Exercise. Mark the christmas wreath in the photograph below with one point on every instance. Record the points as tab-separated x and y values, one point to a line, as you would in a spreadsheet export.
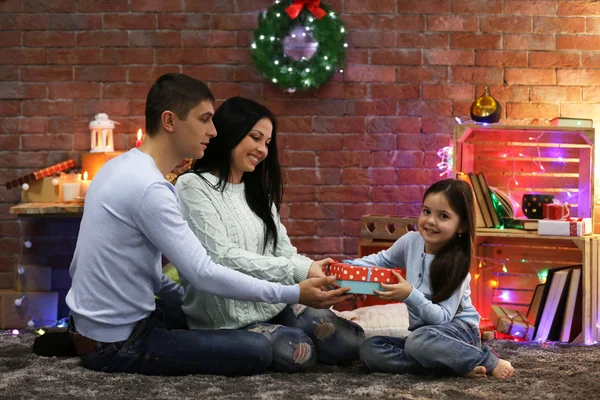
317	20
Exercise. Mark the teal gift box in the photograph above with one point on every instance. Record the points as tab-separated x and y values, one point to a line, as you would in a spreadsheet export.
361	279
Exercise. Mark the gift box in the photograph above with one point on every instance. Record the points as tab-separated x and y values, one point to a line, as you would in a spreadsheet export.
361	279
512	322
557	211
568	227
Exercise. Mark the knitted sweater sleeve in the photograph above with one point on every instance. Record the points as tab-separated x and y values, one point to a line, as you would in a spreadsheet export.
200	205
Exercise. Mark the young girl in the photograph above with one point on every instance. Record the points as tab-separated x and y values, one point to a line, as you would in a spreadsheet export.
444	324
231	201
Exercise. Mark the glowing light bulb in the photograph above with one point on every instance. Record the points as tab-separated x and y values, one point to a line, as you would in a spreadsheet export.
276	62
261	37
342	30
325	58
274	80
345	44
253	45
458	120
15	332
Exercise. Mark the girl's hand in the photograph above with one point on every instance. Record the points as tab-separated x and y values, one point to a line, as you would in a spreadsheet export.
397	291
316	271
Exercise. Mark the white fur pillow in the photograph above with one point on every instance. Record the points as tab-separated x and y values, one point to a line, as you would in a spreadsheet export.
381	320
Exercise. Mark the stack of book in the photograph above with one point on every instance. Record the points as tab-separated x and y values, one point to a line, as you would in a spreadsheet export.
556	309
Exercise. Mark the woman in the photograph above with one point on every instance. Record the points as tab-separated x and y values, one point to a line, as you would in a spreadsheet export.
231	199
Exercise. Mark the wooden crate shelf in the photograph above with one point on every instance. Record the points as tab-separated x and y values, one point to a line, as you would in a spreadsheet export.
506	153
48	209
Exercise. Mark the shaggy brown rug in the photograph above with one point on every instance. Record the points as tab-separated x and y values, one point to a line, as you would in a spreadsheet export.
543	372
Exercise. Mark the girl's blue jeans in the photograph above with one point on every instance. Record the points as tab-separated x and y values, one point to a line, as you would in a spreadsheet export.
454	347
300	336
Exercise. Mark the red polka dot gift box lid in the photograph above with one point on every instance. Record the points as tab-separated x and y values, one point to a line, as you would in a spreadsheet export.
348	272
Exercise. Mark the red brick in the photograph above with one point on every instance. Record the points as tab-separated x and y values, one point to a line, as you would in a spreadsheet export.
462	108
47	142
396	57
393	125
149	73
234	22
377	107
422	40
244	38
133	22
418	176
74	56
395	91
492	58
567	42
58	6
591	94
477	7
313	142
592	25
155	39
101	73
252	5
357	56
129	56
344	194
102	6
506	23
528	42
10	39
209	39
397	159
531	110
554	59
356	211
538	7
292	194
209	73
318	245
590	60
304	107
69	125
301	228
229	56
23	22
339	124
436	125
74	22
422	108
579	110
422	74
369	73
448	57
315	211
558	25
49	39
330	228
9	73
111	107
22	91
553	94
102	38
578	77
22	56
371	176
423	141
370	6
475	41
210	6
371	39
577	8
487	75
22	125
35	108
46	74
156	5
294	124
298	159
409	23
526	76
166	55
184	21
344	159
245	73
395	194
226	90
424	7
452	23
342	91
11	6
357	21
9	142
74	90
447	92
506	93
354	142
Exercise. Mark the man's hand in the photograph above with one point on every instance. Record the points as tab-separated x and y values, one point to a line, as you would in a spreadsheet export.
316	268
397	291
312	295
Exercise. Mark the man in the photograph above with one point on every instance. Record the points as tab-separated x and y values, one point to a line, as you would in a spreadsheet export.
131	217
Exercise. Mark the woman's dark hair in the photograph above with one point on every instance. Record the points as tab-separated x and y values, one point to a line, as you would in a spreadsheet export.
263	187
451	264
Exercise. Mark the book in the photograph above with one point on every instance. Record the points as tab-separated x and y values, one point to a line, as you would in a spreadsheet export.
572	316
534	306
487	195
485	212
521	223
479	221
556	287
556	324
506	201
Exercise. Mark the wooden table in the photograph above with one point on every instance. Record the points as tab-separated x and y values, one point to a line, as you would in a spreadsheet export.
74	209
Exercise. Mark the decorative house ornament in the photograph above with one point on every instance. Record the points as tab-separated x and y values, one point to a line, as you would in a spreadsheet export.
284	23
486	108
102	134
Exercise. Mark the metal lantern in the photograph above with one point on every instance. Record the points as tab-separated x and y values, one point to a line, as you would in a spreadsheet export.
102	134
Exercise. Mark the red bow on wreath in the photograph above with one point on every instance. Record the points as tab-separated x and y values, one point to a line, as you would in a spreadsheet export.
311	5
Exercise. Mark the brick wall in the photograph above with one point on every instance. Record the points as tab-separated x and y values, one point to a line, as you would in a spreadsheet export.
364	143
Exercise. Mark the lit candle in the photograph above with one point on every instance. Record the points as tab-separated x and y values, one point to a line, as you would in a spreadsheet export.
83	185
138	142
69	186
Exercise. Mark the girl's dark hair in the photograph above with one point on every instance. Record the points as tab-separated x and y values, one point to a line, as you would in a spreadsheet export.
451	264
263	187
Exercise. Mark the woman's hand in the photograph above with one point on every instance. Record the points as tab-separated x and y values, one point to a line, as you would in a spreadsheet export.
316	271
397	291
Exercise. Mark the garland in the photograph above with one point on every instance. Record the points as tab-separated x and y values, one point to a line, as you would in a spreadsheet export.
321	22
